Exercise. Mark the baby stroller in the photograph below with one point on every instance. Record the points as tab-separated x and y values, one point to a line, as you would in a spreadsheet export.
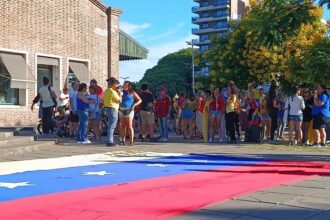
254	133
62	126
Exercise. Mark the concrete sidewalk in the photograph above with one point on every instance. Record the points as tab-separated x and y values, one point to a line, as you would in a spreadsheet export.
309	199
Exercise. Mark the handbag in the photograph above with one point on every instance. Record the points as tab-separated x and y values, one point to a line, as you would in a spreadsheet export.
51	95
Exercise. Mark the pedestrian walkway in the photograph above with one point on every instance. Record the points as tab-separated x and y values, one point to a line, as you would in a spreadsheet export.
307	196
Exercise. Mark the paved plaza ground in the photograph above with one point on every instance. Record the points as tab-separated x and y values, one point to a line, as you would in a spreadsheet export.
307	199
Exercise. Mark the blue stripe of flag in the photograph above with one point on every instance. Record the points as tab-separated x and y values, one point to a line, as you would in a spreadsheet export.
66	179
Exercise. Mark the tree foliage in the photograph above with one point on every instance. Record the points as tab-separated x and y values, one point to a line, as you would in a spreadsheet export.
275	39
172	71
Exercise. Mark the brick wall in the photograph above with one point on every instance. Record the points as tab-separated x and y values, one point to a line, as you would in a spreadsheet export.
65	28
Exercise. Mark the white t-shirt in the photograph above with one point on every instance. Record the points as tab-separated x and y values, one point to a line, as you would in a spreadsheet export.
65	99
94	107
296	103
47	100
73	99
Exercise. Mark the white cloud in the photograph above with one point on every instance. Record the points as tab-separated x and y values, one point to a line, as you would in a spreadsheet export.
130	28
168	33
136	69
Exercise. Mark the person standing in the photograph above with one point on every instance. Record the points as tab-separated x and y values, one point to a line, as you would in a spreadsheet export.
94	112
264	114
217	107
64	101
99	90
188	108
48	97
130	100
82	112
272	107
112	99
205	116
146	112
321	115
199	113
230	113
280	115
163	106
307	116
74	119
295	104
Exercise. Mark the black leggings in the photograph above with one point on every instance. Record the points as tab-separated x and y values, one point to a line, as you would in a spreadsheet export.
230	125
273	127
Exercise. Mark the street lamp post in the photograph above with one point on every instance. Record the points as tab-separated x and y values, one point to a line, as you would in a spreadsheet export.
192	64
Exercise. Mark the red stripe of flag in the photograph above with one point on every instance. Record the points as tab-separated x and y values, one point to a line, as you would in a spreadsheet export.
163	197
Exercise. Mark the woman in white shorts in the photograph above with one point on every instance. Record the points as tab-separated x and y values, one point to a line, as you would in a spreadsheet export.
130	100
295	104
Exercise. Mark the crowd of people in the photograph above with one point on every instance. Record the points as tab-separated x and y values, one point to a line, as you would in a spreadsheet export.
227	115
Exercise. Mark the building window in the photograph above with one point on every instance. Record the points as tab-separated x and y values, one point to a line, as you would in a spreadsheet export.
222	24
70	79
8	96
203	48
78	71
222	13
205	71
204	37
205	15
206	25
205	4
44	71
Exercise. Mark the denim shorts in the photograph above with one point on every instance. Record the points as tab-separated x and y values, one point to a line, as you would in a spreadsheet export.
216	114
187	114
97	117
295	117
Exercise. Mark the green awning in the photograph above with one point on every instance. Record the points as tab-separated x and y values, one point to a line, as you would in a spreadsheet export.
130	49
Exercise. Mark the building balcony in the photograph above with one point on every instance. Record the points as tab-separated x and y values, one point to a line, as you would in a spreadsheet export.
218	28
221	28
198	31
199	42
216	6
217	17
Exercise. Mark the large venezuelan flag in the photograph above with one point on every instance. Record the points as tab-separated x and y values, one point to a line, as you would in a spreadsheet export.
138	188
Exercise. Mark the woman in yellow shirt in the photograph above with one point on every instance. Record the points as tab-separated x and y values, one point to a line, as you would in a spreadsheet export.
230	113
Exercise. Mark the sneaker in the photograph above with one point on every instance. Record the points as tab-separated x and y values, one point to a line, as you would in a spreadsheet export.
324	145
86	142
78	142
112	145
295	142
165	140
273	142
210	140
317	145
221	140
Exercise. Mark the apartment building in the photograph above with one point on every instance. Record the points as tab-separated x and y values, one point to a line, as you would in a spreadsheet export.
64	40
213	18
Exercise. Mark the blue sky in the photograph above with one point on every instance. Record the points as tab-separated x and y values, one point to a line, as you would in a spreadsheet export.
162	26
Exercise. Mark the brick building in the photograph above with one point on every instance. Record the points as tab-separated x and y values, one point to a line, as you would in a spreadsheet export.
64	40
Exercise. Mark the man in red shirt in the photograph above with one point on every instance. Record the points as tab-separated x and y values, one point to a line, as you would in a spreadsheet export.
163	105
99	90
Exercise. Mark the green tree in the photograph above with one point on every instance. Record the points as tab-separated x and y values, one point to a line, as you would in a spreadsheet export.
270	42
314	66
172	71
